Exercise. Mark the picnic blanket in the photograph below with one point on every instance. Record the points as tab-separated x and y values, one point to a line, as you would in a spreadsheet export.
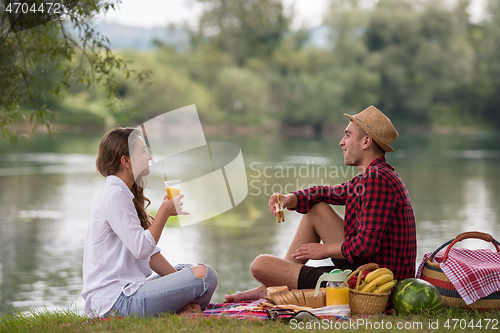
242	310
475	274
236	310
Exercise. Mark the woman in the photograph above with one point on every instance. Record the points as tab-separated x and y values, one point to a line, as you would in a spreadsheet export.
120	251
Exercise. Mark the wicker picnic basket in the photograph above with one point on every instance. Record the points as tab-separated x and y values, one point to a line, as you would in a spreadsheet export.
433	274
362	303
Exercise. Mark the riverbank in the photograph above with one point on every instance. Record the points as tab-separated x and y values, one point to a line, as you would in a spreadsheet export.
306	131
452	179
449	319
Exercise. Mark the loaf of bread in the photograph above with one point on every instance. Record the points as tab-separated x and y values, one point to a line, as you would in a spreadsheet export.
275	290
304	297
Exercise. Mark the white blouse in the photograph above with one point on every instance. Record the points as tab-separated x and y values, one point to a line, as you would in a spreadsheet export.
117	249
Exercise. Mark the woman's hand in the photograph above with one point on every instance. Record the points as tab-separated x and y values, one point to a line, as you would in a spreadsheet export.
173	207
169	207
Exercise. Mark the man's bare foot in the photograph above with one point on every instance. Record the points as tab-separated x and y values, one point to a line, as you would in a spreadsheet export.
252	294
193	307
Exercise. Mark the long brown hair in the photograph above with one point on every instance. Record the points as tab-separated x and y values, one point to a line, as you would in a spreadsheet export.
114	145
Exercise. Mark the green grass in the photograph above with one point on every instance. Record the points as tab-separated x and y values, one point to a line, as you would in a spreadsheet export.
45	321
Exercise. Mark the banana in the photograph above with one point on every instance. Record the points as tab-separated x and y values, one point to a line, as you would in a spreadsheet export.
385	287
379	281
376	273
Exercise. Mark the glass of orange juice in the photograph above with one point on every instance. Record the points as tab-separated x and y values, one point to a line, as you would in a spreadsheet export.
173	188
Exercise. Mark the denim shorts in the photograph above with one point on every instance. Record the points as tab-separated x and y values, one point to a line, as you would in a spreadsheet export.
167	294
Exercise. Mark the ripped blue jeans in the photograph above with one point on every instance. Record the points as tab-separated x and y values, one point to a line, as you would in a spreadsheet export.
167	294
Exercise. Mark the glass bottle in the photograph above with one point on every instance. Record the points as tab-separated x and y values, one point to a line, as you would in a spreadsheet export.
337	292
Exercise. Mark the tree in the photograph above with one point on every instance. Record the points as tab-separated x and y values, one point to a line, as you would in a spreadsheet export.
347	20
323	84
70	47
483	98
423	57
244	28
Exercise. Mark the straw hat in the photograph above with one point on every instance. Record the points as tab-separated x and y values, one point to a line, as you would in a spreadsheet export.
377	126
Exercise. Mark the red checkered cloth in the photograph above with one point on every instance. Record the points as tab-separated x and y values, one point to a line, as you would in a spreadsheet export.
475	274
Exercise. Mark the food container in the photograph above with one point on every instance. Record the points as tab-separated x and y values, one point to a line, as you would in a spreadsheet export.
362	303
337	292
433	274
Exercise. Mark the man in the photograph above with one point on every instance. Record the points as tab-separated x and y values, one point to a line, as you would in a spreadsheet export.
379	224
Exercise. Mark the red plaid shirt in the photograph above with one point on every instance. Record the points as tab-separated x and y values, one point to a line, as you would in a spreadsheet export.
379	225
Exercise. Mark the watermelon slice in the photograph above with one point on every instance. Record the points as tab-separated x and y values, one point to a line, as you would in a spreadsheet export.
414	296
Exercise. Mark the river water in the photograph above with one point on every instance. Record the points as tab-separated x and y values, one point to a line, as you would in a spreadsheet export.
48	187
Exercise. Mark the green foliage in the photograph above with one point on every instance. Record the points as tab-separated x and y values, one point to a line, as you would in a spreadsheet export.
348	22
422	63
421	55
244	94
43	62
171	87
482	92
243	28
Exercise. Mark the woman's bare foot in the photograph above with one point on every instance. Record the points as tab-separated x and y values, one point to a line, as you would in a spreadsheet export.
193	307
252	294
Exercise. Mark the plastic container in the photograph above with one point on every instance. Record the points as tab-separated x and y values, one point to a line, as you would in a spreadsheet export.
332	310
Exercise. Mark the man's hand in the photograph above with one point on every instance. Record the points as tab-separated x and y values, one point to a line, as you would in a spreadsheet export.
313	251
287	201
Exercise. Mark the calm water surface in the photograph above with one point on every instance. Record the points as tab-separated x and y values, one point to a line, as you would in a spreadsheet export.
48	187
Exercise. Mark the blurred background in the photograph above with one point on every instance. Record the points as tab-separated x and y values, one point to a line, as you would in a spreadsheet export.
274	77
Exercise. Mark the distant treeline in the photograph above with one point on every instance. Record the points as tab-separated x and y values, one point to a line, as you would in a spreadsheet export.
421	62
